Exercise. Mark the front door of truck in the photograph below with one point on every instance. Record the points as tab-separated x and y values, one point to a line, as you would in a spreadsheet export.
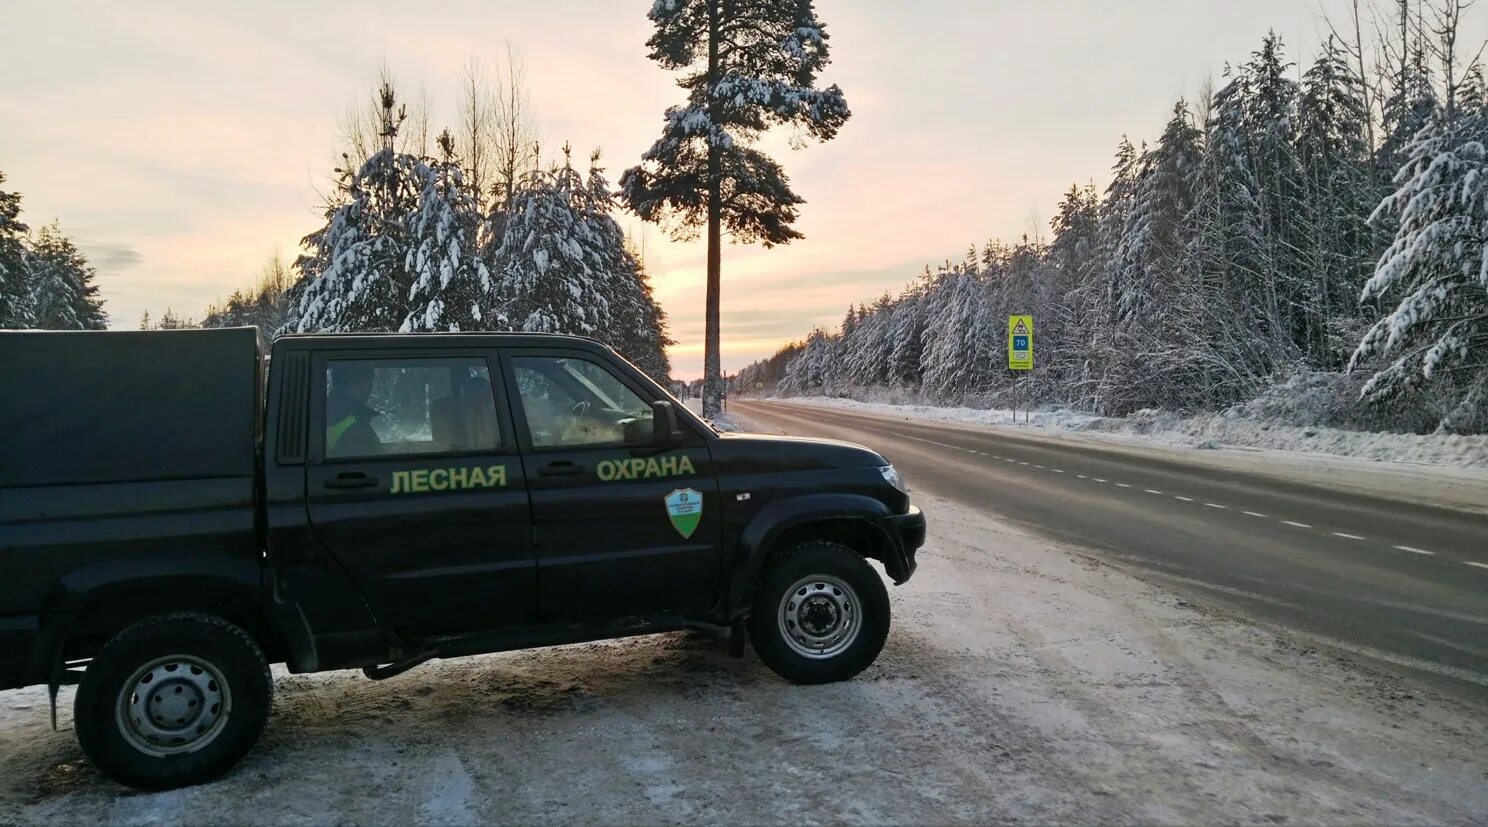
415	485
620	530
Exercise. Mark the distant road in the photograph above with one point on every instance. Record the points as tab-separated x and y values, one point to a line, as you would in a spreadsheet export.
1394	581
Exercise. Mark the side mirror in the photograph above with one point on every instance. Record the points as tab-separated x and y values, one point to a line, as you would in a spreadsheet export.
664	429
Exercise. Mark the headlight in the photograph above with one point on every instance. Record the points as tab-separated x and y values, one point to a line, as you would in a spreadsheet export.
892	477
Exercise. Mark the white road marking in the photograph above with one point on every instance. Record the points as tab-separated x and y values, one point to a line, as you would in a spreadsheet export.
1059	470
1082	476
1253	514
1022	463
1476	565
1122	485
1414	550
1098	479
1297	525
1009	459
1215	505
1347	536
1152	491
1038	466
1185	499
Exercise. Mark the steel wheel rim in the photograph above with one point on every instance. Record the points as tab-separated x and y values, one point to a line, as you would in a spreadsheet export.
173	705
819	617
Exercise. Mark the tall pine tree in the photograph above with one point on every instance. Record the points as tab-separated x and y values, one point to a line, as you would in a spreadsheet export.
750	65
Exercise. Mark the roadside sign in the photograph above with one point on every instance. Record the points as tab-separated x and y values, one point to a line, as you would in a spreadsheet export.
1020	343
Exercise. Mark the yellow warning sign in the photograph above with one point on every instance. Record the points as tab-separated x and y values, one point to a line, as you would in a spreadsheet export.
1020	343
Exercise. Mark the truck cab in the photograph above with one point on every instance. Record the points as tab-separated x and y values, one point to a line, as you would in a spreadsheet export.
373	501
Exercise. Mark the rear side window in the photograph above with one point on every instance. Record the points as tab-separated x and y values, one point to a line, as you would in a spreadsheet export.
404	407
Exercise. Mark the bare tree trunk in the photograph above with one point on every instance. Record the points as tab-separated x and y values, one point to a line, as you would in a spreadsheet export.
712	363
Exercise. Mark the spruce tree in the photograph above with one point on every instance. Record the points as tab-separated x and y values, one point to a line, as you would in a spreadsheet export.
60	283
550	262
356	269
452	289
750	65
1438	262
1334	153
15	299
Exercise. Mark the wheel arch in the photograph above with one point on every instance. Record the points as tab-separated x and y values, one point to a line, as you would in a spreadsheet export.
852	520
92	604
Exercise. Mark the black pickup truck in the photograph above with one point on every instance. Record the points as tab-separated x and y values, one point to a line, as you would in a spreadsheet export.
177	512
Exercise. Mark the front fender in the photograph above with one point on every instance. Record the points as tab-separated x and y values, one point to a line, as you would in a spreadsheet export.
765	528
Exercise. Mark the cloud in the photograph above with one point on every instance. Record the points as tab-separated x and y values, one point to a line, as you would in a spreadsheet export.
110	257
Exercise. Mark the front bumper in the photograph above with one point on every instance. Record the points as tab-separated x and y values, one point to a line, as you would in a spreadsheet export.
905	533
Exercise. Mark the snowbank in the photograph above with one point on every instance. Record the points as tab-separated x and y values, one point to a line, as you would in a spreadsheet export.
1228	429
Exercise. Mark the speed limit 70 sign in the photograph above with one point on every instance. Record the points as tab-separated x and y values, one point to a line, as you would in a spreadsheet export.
1020	343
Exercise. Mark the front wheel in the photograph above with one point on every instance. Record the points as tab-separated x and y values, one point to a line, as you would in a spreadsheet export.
821	614
172	701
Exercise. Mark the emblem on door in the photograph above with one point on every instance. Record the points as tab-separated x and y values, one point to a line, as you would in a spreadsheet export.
684	508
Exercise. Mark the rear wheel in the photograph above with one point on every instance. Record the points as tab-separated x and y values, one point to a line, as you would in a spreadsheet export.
172	701
821	614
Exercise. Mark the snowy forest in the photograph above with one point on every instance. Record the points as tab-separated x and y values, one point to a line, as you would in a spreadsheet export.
45	281
1318	228
467	231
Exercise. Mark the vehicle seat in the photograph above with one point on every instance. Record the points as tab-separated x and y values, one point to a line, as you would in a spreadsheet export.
480	413
445	423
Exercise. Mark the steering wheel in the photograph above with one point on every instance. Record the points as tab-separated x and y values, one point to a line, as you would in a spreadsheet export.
579	409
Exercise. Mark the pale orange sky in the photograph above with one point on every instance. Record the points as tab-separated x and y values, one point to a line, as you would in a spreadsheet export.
182	143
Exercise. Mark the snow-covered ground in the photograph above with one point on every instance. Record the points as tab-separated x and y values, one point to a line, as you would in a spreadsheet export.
1021	681
1205	431
725	421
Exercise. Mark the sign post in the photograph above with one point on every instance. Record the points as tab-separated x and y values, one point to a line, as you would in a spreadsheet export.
1020	352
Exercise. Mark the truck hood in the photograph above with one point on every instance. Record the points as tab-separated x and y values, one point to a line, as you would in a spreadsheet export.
758	453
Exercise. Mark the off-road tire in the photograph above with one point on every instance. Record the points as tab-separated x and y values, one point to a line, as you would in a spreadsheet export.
227	649
832	562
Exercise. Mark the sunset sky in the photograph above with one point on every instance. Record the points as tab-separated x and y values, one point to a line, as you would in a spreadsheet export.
183	143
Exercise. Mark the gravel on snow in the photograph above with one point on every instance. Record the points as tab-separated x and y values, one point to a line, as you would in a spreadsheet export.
1021	681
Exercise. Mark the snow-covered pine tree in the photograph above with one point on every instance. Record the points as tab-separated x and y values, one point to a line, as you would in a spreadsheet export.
811	371
751	64
1334	154
958	355
1074	263
1269	102
60	283
551	257
906	339
1438	333
452	288
1150	365
1101	337
15	299
635	324
356	265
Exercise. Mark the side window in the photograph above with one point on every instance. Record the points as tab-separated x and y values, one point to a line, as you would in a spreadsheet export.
399	407
571	402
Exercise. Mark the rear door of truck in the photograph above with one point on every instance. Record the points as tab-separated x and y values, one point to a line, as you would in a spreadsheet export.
415	485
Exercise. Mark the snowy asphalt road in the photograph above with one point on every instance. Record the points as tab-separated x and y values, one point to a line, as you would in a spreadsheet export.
1395	581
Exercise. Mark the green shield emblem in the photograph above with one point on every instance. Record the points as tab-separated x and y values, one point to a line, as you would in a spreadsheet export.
684	508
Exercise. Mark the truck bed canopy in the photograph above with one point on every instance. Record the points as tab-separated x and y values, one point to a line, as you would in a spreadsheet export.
93	407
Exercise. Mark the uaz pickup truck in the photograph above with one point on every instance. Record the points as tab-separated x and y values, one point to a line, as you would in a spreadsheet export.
178	512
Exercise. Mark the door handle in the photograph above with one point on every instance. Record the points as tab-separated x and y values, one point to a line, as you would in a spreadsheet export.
351	479
559	468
